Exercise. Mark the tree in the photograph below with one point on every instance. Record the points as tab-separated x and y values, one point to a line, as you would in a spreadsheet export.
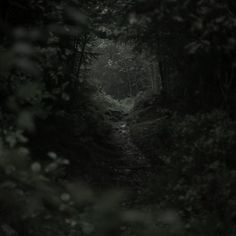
121	71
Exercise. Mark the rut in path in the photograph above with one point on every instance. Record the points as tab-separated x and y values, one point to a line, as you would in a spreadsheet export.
133	171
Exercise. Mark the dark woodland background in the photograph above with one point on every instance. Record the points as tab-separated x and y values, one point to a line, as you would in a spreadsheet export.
117	117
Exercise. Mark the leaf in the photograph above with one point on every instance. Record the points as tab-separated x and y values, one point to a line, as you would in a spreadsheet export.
25	121
36	167
65	197
193	47
77	16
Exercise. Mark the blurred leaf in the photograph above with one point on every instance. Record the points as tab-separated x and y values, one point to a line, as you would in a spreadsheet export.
36	167
27	66
25	121
77	16
22	49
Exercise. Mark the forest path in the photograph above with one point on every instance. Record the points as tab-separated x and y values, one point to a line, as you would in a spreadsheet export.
133	170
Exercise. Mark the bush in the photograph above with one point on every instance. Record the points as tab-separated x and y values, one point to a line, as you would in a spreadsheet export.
193	157
35	202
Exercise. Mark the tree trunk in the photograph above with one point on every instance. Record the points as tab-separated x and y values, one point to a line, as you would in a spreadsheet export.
84	43
163	77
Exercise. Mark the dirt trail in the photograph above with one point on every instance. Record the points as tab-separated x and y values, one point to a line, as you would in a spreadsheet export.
134	168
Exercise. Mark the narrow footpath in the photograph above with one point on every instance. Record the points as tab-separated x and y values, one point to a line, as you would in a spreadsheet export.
133	172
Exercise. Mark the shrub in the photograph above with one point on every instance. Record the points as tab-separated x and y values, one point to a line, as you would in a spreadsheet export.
193	160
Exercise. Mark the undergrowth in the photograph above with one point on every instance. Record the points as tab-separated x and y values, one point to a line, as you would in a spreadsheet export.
193	164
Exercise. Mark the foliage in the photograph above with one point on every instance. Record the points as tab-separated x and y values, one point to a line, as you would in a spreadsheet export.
193	44
56	127
35	200
193	161
120	71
